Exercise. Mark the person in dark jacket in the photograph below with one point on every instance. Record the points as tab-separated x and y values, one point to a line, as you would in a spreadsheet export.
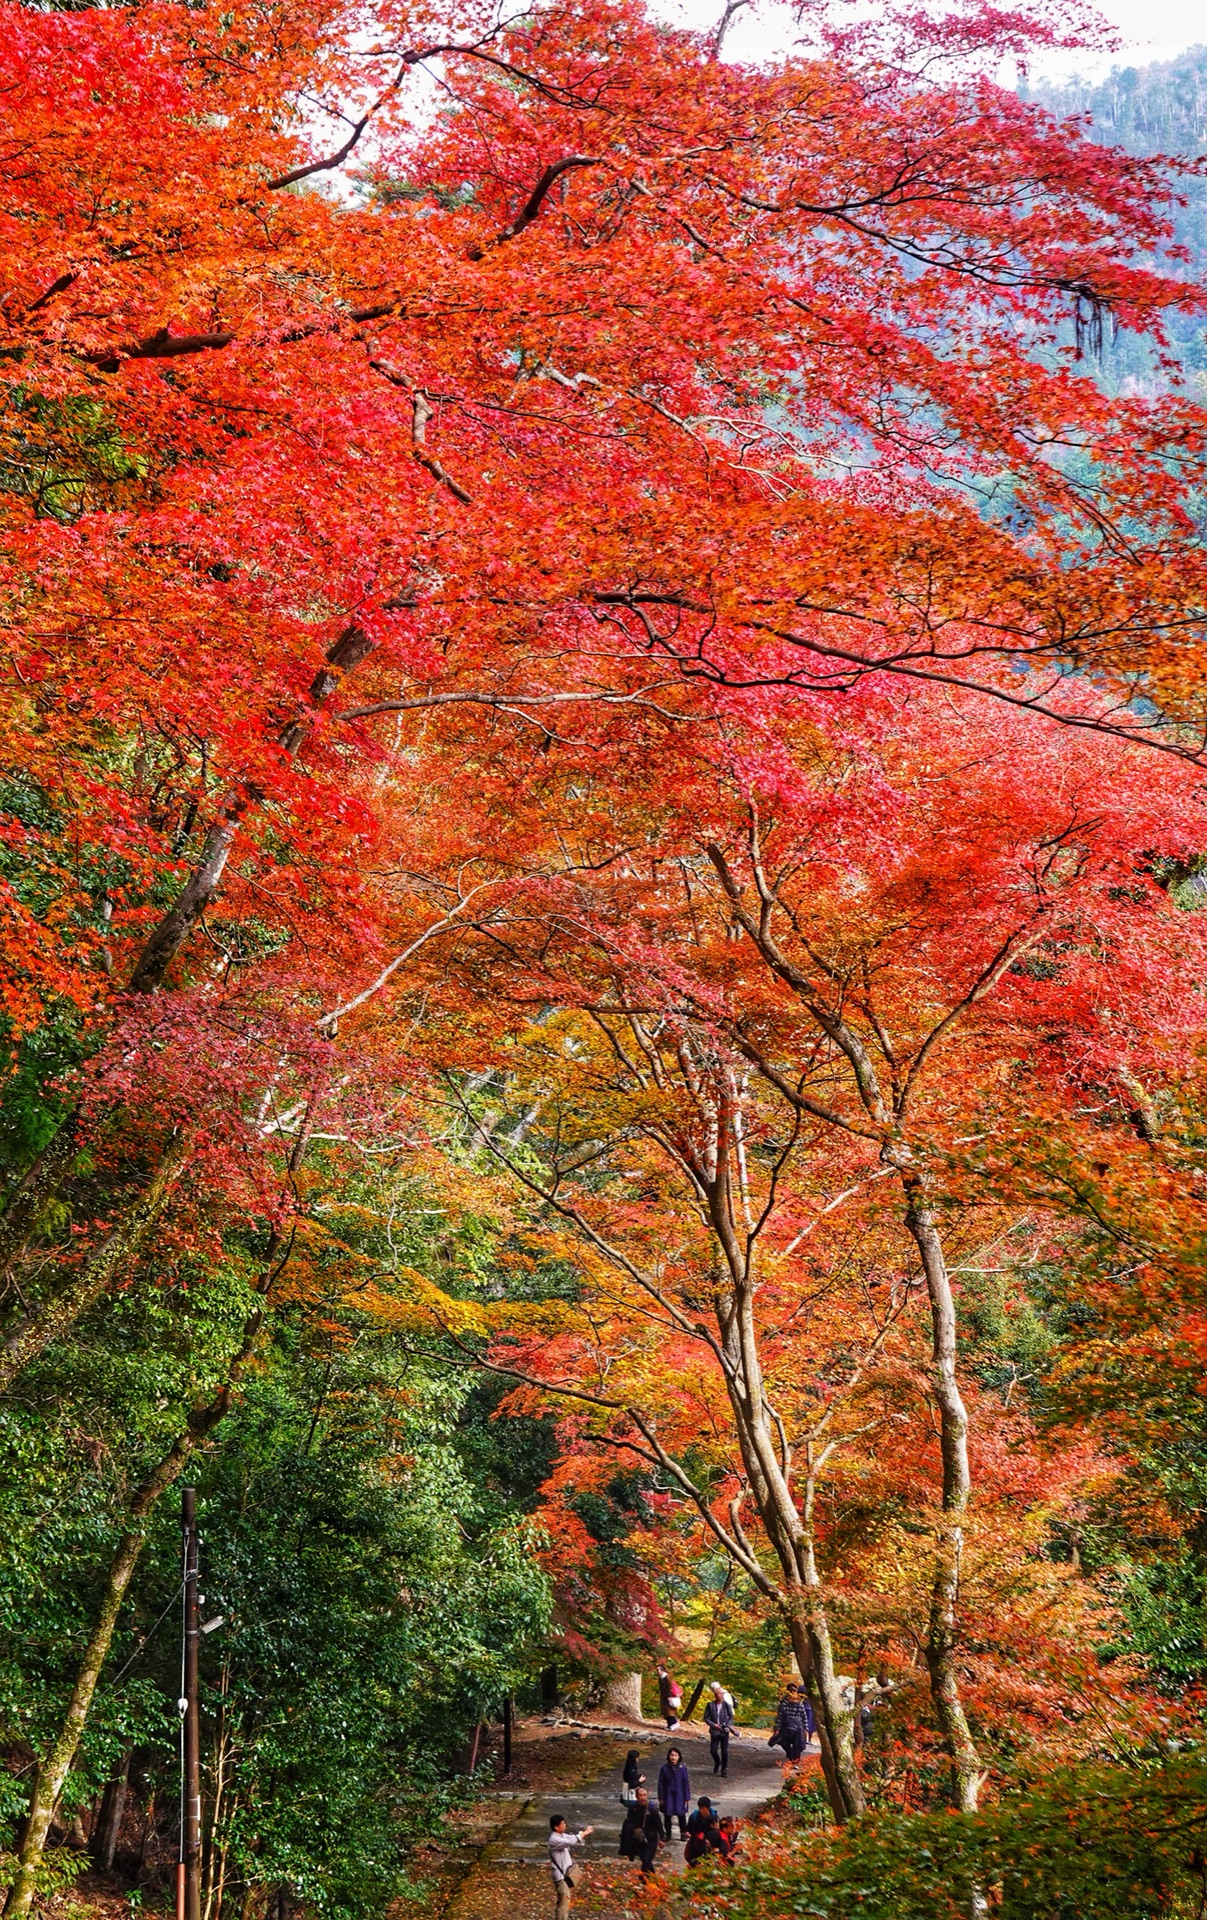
674	1791
670	1697
709	1839
718	1718
632	1776
699	1819
641	1834
792	1728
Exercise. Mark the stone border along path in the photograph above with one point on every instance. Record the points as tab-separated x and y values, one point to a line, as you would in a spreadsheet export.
755	1778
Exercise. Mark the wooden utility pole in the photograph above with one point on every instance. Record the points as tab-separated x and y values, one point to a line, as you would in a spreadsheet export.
188	1898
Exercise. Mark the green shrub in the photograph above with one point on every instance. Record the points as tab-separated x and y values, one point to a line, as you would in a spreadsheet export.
1091	1844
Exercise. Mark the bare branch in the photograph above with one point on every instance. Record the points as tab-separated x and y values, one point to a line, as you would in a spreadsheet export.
532	206
328	1021
421	413
60	285
162	346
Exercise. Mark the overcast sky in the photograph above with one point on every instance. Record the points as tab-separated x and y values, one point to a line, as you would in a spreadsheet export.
1157	29
1151	30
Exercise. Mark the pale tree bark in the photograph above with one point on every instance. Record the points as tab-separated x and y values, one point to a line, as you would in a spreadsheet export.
768	1476
766	1457
942	1632
882	1117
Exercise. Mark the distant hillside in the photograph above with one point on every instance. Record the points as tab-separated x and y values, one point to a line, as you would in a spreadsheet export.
1160	108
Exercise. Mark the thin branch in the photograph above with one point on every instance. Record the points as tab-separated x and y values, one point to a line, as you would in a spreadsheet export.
328	1021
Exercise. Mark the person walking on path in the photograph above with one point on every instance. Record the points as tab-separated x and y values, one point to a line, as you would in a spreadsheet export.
632	1777
718	1718
670	1698
641	1834
561	1862
674	1791
792	1723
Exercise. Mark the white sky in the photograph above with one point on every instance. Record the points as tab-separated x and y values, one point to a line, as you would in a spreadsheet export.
1156	29
1150	30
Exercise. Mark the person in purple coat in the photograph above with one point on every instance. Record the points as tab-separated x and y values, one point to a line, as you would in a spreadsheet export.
674	1792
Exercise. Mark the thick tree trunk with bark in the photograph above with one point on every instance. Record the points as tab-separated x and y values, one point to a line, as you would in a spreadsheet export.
622	1696
109	1820
790	1537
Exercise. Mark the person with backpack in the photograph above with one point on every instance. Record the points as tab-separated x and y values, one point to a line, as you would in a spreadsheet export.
565	1872
718	1718
674	1791
792	1723
699	1819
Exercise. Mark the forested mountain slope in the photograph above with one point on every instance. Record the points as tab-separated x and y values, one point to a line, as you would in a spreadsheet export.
1158	108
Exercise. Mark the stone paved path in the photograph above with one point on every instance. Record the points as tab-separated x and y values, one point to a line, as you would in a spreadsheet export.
511	1880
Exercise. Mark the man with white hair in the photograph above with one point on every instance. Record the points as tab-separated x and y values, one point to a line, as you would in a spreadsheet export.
718	1718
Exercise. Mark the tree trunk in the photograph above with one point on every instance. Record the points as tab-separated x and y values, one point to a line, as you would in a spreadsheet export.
109	1821
166	940
44	1179
148	1828
622	1696
194	897
811	1644
53	1771
35	1332
941	1639
22	1215
792	1541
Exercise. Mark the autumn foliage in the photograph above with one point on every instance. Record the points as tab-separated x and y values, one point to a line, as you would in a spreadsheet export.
580	628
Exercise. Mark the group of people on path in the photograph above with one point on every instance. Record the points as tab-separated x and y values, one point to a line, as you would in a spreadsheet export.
718	1716
648	1823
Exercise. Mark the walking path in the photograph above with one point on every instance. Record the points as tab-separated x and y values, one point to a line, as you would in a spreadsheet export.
511	1879
755	1777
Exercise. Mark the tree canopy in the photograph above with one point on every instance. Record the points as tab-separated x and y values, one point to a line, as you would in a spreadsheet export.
601	854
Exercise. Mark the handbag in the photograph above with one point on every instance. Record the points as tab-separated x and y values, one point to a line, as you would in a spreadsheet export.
572	1876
